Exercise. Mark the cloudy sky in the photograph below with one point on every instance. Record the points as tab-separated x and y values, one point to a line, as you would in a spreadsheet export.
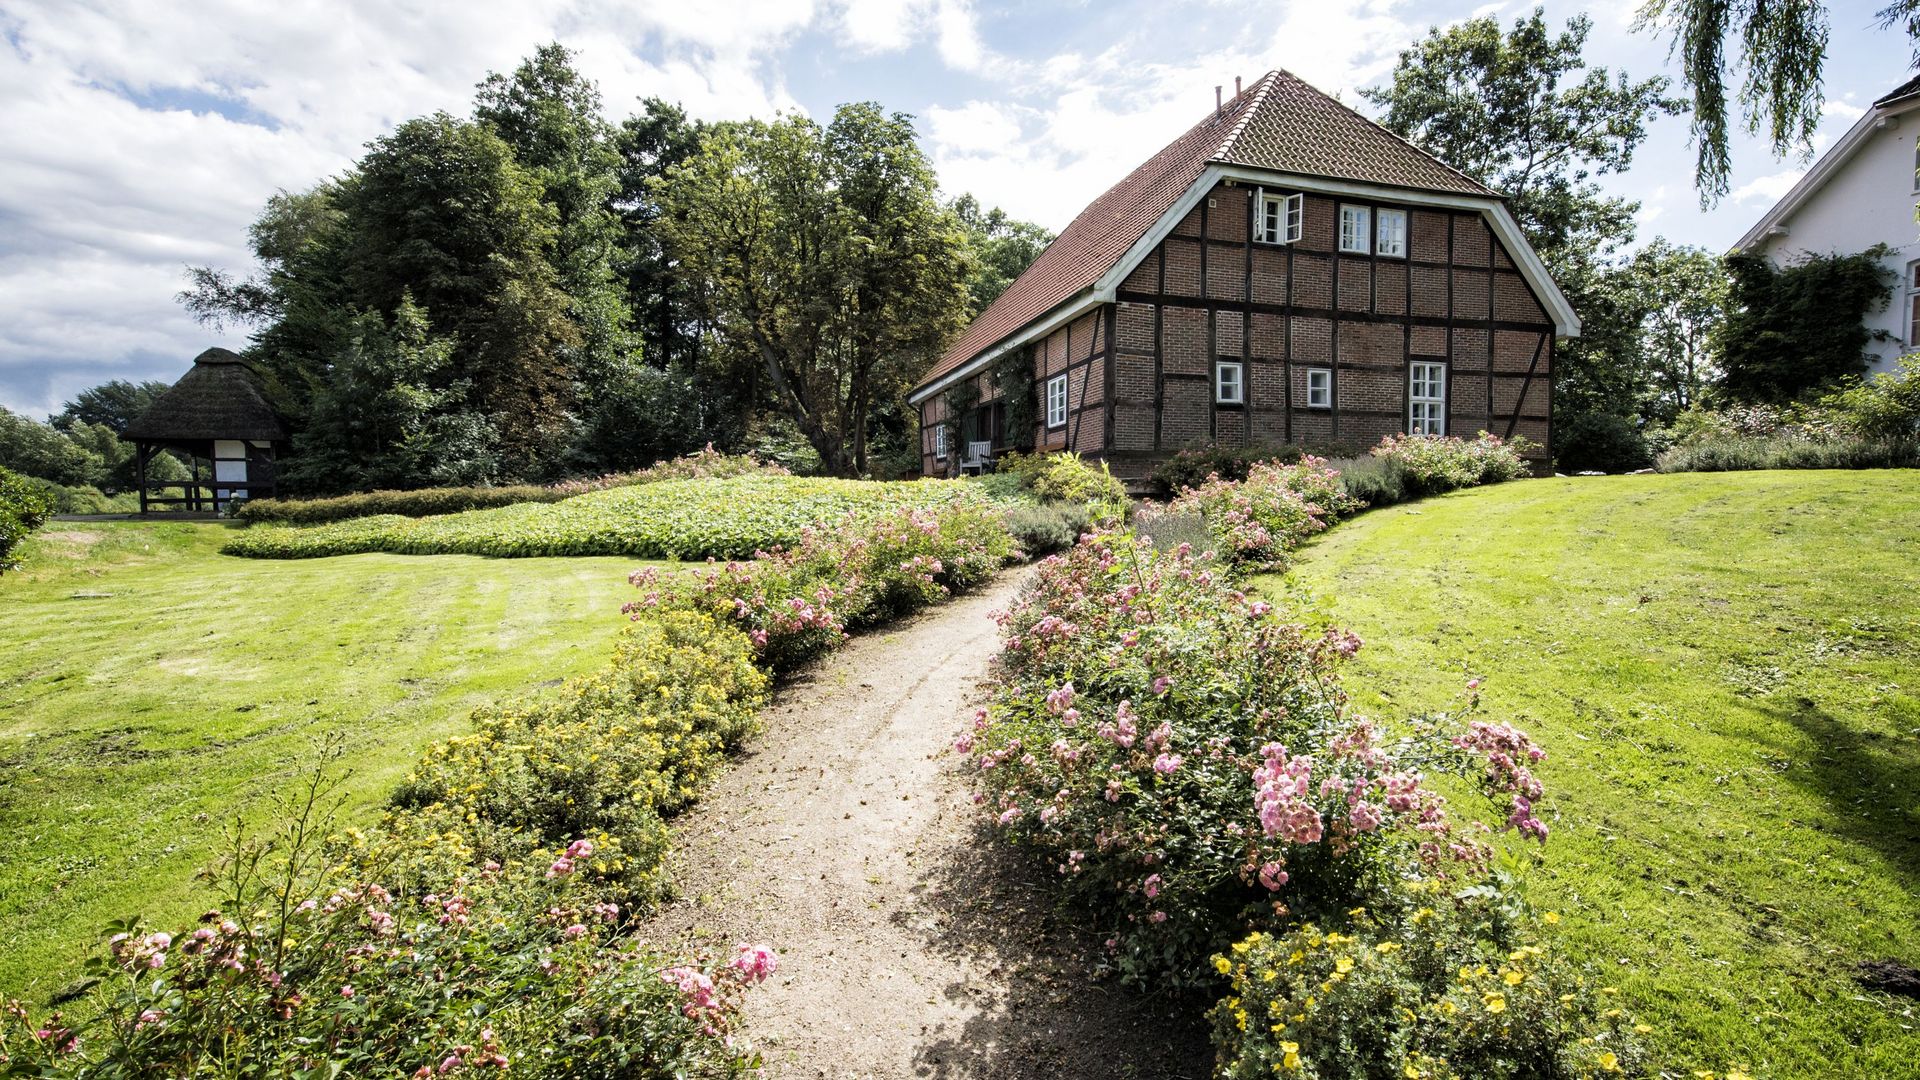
141	136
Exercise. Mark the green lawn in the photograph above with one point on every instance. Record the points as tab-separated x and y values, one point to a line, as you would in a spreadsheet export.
151	688
1725	669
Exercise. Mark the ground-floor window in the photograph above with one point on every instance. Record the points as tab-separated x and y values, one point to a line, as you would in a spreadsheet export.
1057	401
1319	388
1427	398
940	442
1230	382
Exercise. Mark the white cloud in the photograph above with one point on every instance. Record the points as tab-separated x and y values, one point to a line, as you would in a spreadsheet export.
882	25
973	127
1767	189
1844	110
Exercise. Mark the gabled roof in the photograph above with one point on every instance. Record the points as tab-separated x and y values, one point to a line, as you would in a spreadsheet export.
1279	124
218	398
1901	99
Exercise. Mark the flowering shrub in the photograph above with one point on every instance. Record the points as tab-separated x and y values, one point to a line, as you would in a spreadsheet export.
1450	990
606	758
309	966
1432	464
22	510
1187	762
1065	477
800	602
1257	521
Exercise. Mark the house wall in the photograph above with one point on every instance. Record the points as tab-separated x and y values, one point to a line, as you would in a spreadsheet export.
1210	292
1869	200
1140	370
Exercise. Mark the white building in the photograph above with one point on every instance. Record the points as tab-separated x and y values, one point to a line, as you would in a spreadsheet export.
1860	193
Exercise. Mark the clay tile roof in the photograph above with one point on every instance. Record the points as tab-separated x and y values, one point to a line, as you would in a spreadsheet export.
1278	123
218	398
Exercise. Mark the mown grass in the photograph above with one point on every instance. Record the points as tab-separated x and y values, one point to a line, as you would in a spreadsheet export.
1726	672
150	689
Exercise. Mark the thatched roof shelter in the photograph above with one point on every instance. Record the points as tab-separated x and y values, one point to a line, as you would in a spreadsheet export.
218	411
218	398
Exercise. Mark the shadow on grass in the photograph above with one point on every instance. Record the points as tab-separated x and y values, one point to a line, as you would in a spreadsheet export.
995	908
1867	781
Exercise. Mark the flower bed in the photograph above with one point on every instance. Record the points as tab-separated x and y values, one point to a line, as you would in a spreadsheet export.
674	519
1257	521
1186	761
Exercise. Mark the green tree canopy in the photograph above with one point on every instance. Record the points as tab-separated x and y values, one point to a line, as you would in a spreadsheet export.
1798	329
1002	247
825	254
113	403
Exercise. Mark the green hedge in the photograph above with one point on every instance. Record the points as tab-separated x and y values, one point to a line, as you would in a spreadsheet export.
23	508
675	519
423	502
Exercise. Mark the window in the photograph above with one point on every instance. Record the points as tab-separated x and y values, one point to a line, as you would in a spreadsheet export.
1057	401
1393	234
1319	388
940	443
1916	159
1427	398
1353	229
1230	382
1913	304
1277	217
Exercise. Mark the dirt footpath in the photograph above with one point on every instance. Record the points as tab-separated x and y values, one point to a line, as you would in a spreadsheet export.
908	946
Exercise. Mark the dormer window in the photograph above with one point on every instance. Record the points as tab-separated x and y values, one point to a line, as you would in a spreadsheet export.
1276	218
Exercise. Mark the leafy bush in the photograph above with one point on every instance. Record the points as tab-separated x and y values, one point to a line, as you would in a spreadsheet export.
1373	481
1064	477
420	502
704	464
1194	466
800	602
1606	442
1734	453
673	519
1257	521
1167	529
1457	989
310	966
1186	760
1432	464
1044	528
23	508
1887	407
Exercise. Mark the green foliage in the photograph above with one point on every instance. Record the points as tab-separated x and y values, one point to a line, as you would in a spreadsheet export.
114	403
35	449
1739	453
420	502
1043	528
23	508
824	254
1374	481
1683	293
1884	407
1794	330
731	518
1012	376
1002	248
1066	477
1257	521
1456	990
1600	441
1191	467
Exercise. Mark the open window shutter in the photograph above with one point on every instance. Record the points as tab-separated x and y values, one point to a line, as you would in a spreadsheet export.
1295	213
1260	213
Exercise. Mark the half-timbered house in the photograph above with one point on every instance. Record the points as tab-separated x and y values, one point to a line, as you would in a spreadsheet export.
1287	271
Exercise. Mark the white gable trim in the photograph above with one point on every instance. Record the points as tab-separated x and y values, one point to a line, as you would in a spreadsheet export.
1823	170
1566	322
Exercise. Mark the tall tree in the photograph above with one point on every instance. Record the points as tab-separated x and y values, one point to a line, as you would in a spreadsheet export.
826	255
1781	47
1683	291
1520	111
114	403
1002	247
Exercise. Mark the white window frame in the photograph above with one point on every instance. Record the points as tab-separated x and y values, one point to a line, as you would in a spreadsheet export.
1221	394
1356	229
1426	398
1913	304
1288	211
940	442
1390	242
1320	396
1056	402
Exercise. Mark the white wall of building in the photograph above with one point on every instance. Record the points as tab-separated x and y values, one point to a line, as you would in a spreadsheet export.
1870	199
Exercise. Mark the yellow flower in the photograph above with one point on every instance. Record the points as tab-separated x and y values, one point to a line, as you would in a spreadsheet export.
1222	965
1412	1072
1610	1062
1643	1029
1551	918
1386	947
1512	978
1342	965
1736	1074
1496	1003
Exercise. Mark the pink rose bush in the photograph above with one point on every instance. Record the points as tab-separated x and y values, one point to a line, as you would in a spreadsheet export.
801	602
1257	521
1188	758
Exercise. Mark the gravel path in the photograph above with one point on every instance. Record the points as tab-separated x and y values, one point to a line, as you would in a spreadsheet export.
908	946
